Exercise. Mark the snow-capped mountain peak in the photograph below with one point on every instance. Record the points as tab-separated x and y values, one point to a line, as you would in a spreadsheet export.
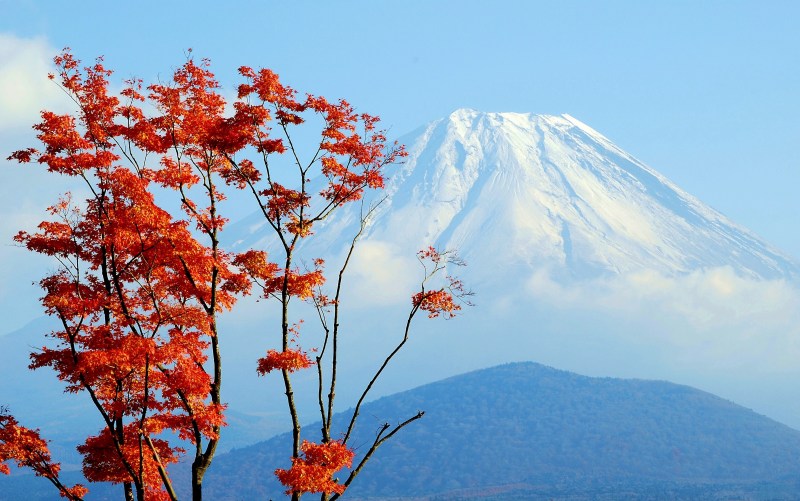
551	191
544	191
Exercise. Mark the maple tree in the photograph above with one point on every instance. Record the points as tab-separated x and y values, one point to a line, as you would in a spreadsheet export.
139	289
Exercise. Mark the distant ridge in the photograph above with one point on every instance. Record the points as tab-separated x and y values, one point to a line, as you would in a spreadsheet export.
524	430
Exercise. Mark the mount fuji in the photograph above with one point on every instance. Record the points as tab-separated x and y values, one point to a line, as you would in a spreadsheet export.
549	190
581	257
540	191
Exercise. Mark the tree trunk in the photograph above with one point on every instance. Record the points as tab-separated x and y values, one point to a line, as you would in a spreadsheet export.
197	483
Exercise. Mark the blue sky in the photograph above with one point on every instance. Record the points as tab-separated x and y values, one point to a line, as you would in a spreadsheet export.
708	93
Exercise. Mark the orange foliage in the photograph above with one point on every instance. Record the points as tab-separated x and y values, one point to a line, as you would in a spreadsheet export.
255	264
103	462
139	287
440	301
288	360
28	449
314	472
137	293
436	302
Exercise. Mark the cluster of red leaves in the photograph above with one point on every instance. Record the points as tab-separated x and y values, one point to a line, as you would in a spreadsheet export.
134	327
27	448
284	202
353	151
436	302
271	279
314	472
441	301
101	461
301	285
288	360
431	254
256	265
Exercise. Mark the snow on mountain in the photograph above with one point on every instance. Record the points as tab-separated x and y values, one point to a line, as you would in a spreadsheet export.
550	191
541	191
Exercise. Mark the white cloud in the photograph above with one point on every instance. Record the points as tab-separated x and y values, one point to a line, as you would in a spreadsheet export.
24	86
380	274
711	317
25	190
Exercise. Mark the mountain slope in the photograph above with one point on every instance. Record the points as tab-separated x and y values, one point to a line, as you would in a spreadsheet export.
525	428
549	192
581	257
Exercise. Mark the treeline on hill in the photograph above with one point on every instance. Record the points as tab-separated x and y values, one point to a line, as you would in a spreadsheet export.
524	431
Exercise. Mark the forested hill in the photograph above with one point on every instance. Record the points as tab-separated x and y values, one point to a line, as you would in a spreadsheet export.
526	431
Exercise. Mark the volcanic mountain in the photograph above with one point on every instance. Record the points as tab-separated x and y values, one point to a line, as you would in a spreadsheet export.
549	192
581	257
